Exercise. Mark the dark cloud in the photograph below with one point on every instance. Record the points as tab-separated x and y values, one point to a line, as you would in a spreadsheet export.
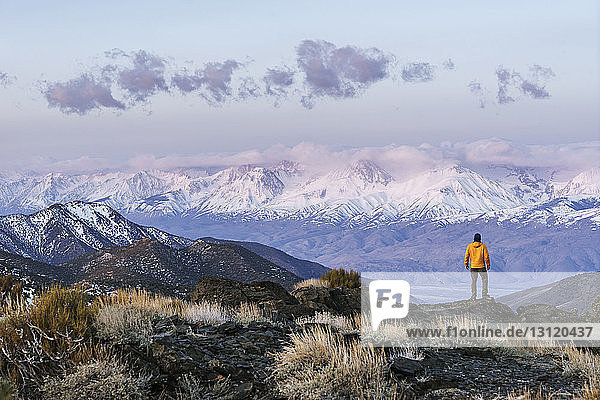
512	83
146	78
81	95
418	72
339	72
213	82
477	90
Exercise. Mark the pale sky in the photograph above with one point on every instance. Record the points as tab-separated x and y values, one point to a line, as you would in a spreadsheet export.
342	75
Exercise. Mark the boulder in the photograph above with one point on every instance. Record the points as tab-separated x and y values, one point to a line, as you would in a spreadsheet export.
267	295
340	300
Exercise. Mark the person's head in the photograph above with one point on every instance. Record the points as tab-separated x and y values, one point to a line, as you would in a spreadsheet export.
477	238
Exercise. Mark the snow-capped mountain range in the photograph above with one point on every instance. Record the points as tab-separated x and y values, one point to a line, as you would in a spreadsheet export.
360	194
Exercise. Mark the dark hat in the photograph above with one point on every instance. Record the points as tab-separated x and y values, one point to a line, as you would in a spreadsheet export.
477	238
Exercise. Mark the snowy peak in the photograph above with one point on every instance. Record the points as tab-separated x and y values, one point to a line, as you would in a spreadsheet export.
370	173
358	193
451	192
586	183
64	231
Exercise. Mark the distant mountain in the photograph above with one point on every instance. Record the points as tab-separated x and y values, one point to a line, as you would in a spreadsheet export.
357	215
303	268
65	231
36	271
576	292
359	194
586	183
149	262
151	265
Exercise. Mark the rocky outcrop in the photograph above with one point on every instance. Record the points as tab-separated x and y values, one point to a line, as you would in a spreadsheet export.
464	373
340	300
227	361
273	297
481	309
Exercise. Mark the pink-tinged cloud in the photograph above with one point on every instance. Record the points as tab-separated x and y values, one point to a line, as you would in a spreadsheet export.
145	78
339	72
81	95
212	82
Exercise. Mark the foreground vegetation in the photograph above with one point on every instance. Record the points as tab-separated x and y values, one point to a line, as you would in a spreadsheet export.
66	344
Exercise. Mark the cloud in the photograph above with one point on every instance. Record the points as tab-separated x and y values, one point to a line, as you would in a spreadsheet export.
339	72
477	90
125	79
6	79
81	95
213	82
278	82
417	72
145	78
512	83
448	64
402	161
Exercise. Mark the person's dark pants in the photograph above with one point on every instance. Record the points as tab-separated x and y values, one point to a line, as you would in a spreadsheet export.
484	281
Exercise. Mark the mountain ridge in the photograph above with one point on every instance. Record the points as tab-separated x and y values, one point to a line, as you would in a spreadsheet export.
360	193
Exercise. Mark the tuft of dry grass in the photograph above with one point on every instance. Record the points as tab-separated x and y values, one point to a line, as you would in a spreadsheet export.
143	300
132	308
583	363
102	380
123	323
340	322
206	312
319	363
311	282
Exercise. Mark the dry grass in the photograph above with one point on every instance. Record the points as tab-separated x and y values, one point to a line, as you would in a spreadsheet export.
101	380
311	282
320	364
133	308
340	322
206	313
122	324
141	299
582	363
536	395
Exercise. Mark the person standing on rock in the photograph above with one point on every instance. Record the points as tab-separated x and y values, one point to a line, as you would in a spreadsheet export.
477	252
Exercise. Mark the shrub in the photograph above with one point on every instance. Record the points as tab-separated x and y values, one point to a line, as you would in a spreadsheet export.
100	380
342	278
6	390
11	295
45	337
321	364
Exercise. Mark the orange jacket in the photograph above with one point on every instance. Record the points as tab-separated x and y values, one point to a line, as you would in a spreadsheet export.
478	254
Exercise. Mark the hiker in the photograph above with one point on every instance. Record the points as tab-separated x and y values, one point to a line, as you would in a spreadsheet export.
477	252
